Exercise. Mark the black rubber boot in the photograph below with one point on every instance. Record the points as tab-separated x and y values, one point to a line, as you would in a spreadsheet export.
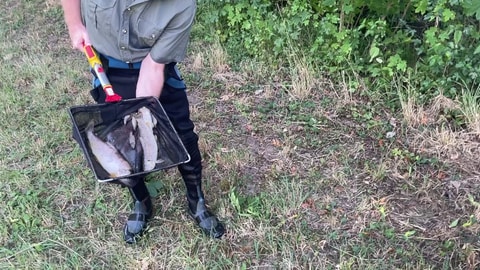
141	213
192	176
206	220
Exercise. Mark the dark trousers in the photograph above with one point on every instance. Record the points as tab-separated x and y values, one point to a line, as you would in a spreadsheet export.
175	103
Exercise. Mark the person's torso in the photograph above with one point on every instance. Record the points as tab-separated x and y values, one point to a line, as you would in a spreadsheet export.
128	29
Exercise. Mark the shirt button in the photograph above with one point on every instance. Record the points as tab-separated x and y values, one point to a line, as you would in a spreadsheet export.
153	36
124	31
123	48
129	9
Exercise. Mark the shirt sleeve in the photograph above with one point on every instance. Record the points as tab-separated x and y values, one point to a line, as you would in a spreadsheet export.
172	44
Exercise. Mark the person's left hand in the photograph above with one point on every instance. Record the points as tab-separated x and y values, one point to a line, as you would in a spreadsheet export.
151	78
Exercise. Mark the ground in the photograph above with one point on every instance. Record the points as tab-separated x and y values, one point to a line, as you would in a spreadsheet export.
306	173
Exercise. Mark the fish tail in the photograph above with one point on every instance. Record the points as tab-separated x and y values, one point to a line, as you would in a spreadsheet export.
90	126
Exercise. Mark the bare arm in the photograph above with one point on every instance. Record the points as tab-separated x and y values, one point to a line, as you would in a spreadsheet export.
73	19
151	78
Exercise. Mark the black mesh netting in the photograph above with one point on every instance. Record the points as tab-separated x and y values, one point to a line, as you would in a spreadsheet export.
109	117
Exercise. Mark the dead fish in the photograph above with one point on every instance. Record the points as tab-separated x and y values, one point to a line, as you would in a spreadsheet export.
126	140
107	156
145	122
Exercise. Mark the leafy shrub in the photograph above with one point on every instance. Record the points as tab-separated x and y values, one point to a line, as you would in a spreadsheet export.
435	42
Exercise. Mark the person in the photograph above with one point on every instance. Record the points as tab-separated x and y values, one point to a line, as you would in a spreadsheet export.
140	42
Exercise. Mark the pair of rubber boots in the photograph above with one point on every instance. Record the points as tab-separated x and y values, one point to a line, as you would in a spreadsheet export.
142	212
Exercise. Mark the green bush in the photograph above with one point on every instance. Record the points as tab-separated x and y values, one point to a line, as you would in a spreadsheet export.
435	42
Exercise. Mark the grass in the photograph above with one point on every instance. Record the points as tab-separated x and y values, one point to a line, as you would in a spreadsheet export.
301	171
470	109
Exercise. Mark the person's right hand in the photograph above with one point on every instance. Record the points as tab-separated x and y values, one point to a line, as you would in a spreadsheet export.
79	37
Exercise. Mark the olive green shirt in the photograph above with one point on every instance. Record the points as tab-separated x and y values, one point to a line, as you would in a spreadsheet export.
130	29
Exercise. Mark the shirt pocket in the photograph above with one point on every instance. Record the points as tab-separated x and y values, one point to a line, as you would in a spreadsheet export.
101	13
148	33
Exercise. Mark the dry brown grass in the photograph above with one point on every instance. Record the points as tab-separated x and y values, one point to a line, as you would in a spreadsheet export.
454	146
413	115
351	84
303	79
198	64
217	58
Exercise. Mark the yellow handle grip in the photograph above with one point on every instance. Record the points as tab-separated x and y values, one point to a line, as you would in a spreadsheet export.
92	56
97	66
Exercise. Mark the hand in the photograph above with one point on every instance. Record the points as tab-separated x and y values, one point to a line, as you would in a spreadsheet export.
151	78
73	19
79	37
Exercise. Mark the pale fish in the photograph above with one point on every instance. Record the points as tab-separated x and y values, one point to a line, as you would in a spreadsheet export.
145	122
107	156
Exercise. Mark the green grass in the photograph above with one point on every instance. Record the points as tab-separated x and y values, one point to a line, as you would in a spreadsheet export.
302	178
